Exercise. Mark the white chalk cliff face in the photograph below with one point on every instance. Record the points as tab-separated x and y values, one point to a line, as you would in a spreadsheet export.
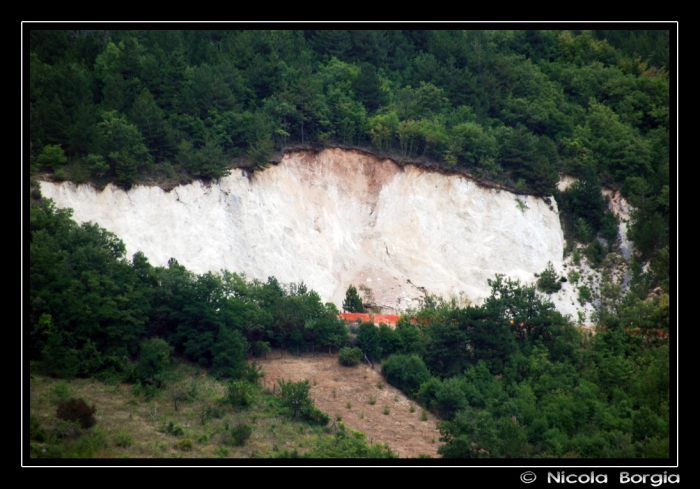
332	219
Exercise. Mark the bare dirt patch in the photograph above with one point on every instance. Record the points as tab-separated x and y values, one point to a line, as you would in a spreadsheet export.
333	386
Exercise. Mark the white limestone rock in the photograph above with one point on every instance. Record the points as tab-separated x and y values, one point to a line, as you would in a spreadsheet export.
332	219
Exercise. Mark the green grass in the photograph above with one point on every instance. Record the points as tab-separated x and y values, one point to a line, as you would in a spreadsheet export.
129	425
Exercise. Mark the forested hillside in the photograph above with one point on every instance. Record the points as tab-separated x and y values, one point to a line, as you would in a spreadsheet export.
510	377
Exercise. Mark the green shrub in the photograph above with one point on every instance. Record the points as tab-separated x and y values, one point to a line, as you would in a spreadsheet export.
60	390
584	294
574	276
211	412
77	410
184	445
428	392
347	443
389	340
260	348
450	397
548	282
152	361
251	372
595	253
123	439
295	395
172	429
350	356
406	372
584	231
314	415
609	227
240	393
240	434
222	452
52	156
88	445
36	432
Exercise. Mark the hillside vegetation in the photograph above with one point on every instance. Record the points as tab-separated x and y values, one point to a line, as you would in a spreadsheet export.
509	378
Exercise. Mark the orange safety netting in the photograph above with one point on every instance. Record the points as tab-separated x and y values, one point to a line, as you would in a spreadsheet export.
378	318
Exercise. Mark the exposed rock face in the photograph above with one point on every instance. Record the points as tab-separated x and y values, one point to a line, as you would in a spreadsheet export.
332	219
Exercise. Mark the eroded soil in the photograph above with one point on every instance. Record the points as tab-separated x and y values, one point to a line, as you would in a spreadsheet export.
333	386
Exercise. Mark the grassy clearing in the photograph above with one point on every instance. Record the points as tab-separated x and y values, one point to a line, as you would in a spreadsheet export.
201	425
130	424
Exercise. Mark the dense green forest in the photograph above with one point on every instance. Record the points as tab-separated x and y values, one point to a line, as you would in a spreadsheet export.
509	378
510	105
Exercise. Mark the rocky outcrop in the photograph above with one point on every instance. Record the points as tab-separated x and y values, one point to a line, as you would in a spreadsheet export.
333	218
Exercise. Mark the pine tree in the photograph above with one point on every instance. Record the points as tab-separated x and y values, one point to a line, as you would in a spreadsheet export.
352	302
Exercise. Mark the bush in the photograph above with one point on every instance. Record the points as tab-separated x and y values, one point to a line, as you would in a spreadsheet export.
60	390
574	276
77	410
389	340
406	372
450	398
295	395
36	432
52	156
427	393
240	393
123	439
222	452
595	253
548	282
172	429
350	356
315	416
609	228
368	340
184	445
152	361
240	434
584	294
88	445
584	232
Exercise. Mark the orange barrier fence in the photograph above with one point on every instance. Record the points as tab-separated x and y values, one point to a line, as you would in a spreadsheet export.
378	318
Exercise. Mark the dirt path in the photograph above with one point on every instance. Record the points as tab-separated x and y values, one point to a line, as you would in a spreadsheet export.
333	386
